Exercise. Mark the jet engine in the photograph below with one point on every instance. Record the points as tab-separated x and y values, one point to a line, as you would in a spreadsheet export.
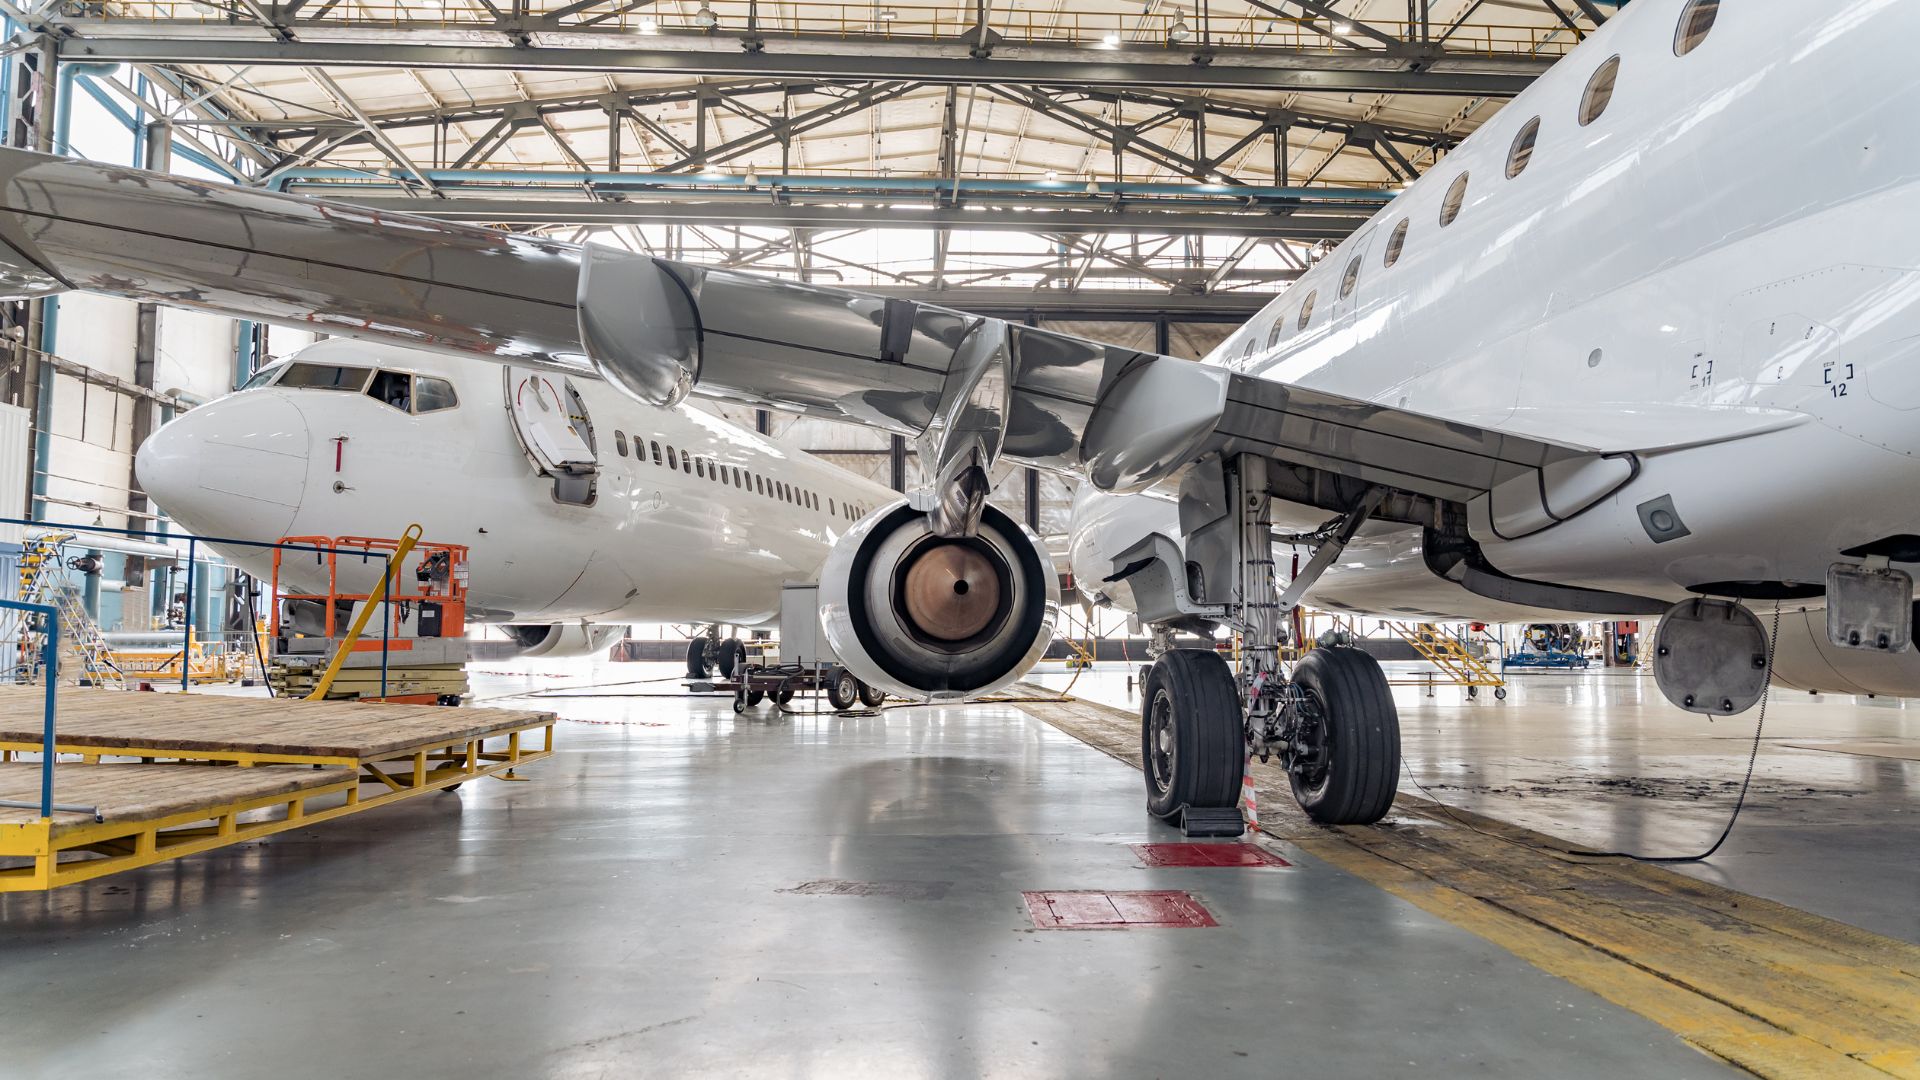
937	618
559	641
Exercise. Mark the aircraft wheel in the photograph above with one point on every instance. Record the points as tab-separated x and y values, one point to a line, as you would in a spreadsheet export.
1192	737
843	692
730	657
872	697
1346	762
697	666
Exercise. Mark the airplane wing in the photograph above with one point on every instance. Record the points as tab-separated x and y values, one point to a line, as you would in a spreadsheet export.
962	385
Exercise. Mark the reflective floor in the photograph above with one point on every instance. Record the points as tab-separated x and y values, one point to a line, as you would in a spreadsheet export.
685	892
1600	759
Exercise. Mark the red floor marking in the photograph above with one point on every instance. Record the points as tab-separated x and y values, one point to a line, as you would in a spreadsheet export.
1183	855
1081	909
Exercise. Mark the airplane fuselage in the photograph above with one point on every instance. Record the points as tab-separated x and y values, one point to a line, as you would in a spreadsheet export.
1718	274
709	538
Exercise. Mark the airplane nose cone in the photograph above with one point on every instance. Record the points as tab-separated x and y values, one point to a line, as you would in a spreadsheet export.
236	467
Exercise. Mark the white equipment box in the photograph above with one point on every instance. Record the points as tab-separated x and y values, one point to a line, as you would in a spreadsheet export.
800	639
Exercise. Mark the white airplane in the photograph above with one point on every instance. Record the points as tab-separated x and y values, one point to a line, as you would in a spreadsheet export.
1646	343
581	509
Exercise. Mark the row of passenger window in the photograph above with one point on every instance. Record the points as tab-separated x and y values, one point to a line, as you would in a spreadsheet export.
708	469
1696	21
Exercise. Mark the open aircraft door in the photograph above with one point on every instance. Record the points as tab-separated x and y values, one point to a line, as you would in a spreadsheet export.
551	422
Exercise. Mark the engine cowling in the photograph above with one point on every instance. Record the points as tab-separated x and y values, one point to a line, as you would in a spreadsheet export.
1804	659
934	618
559	641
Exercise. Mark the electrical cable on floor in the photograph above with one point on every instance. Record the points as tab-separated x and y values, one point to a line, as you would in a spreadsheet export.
1739	802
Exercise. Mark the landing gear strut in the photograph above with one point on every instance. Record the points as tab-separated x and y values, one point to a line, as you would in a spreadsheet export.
1332	723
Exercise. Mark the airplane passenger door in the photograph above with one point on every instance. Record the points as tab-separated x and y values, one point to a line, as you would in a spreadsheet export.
554	429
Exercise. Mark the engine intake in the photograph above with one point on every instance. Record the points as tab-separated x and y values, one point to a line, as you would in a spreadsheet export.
932	617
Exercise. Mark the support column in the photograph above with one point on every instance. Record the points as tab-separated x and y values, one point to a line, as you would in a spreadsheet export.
31	107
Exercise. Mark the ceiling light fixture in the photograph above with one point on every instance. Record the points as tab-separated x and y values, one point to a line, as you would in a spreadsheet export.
1179	31
1343	29
1052	177
1111	40
649	25
888	15
704	17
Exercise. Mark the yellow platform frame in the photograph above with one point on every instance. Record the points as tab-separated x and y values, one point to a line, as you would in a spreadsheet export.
129	845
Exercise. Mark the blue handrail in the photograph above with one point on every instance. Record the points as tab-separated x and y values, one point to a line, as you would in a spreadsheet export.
50	662
193	542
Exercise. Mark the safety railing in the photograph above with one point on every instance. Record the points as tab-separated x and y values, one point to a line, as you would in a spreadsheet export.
187	631
51	654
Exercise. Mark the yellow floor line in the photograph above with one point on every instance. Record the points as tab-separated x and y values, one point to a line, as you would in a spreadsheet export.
1774	990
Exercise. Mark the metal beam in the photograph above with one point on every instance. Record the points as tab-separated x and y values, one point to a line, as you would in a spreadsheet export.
786	129
556	211
862	58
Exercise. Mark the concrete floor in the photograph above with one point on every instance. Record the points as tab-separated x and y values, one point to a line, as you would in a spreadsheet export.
629	912
1601	760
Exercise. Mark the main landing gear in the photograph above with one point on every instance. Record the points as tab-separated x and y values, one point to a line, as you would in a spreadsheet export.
1331	721
708	654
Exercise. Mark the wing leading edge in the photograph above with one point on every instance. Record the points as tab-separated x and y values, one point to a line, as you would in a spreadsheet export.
970	390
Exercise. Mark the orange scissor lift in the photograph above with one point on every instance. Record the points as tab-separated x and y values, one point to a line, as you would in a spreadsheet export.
413	648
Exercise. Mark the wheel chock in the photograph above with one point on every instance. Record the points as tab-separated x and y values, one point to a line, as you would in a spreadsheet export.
1211	821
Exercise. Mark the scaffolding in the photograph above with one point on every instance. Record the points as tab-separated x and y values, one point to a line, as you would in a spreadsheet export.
44	580
1453	655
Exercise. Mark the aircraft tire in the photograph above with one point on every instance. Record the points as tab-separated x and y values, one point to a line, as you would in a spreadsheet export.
729	658
1192	737
1356	724
843	692
697	666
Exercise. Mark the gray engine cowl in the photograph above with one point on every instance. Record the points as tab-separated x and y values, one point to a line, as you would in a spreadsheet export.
932	618
559	641
1805	659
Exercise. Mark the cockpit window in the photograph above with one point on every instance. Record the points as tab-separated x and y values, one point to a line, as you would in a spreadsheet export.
395	388
325	377
262	377
432	395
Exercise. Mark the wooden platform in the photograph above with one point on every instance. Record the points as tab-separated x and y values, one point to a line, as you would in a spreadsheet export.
199	771
127	793
221	728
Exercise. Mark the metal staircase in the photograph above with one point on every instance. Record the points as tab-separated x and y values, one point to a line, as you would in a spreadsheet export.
1451	655
43	580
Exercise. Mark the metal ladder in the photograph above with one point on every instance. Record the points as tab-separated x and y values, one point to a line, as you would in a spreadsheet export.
1449	654
43	580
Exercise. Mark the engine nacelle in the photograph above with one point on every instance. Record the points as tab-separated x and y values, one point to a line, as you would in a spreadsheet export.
1804	659
559	641
927	617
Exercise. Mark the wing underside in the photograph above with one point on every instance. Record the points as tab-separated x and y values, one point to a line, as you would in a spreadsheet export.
966	388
